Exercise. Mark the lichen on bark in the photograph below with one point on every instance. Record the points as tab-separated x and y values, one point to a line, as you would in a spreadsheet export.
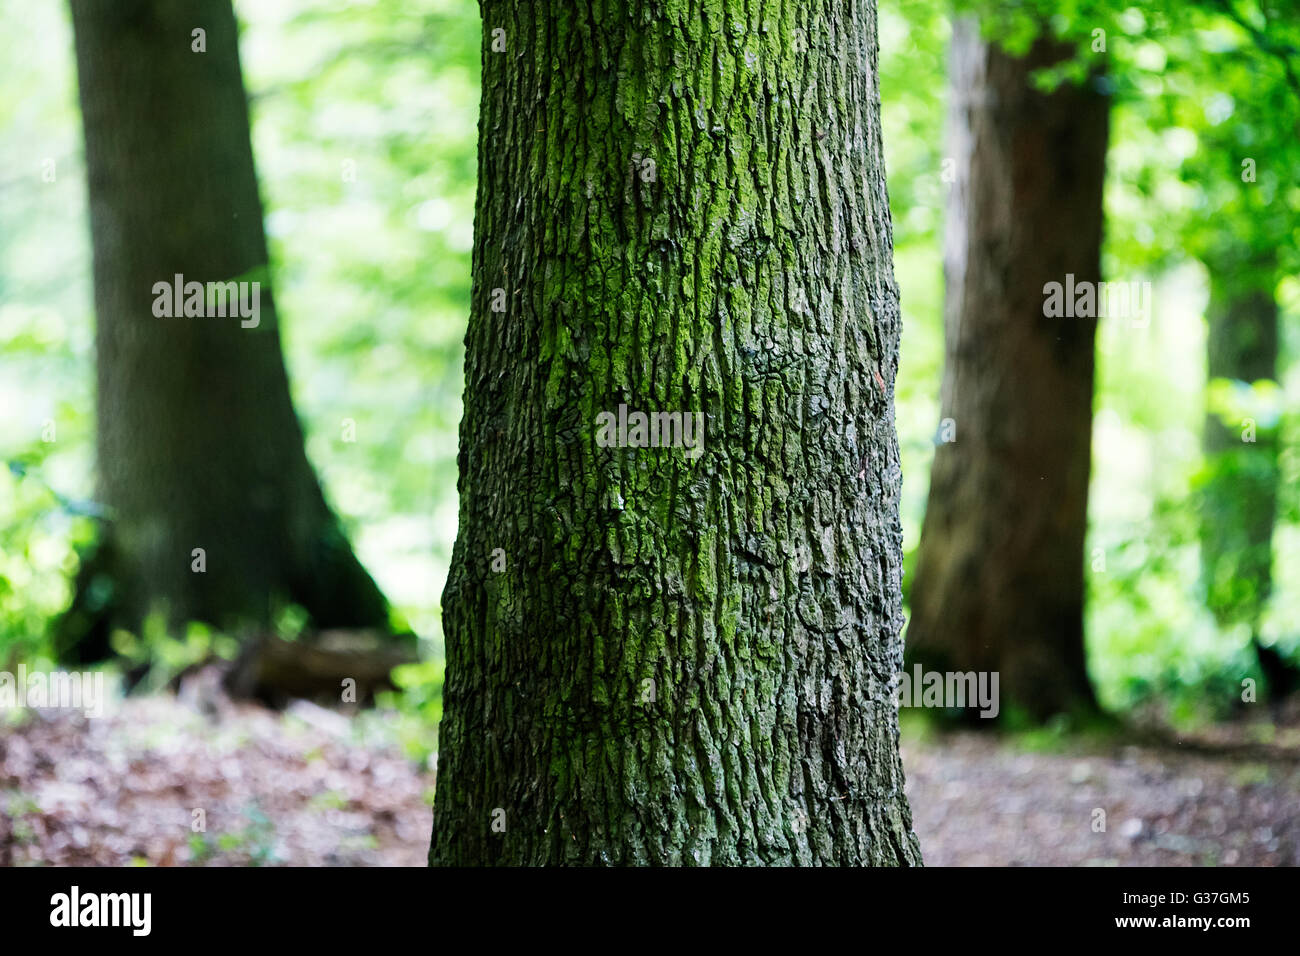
685	661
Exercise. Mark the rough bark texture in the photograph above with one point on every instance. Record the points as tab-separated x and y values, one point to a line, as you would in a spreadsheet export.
197	442
999	583
684	661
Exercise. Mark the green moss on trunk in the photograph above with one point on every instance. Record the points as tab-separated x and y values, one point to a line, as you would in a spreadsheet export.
686	659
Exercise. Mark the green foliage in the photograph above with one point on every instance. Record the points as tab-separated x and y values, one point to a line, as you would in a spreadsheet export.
407	714
38	539
364	121
1195	93
256	842
364	131
161	656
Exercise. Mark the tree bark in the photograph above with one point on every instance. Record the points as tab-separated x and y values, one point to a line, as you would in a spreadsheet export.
197	442
686	659
999	583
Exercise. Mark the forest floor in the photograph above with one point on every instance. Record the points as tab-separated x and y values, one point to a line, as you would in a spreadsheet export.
1218	799
303	787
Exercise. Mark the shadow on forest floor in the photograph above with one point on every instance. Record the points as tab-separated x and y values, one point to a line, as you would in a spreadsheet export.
310	787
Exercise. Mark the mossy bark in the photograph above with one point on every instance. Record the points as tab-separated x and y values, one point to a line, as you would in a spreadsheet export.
999	584
677	659
197	442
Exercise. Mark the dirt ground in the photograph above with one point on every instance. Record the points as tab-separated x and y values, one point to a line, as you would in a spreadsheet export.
976	801
298	788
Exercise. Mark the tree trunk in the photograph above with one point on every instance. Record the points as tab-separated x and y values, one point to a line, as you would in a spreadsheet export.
1239	499
999	583
677	658
198	446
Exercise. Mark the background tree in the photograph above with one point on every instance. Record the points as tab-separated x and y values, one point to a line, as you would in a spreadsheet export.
999	582
214	513
1239	490
654	659
1205	118
1245	234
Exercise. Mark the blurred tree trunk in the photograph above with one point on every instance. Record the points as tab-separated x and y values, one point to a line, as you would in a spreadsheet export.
999	582
654	657
1239	498
197	442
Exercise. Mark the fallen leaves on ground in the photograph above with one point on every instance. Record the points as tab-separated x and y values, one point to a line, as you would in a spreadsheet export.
977	801
304	788
268	788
